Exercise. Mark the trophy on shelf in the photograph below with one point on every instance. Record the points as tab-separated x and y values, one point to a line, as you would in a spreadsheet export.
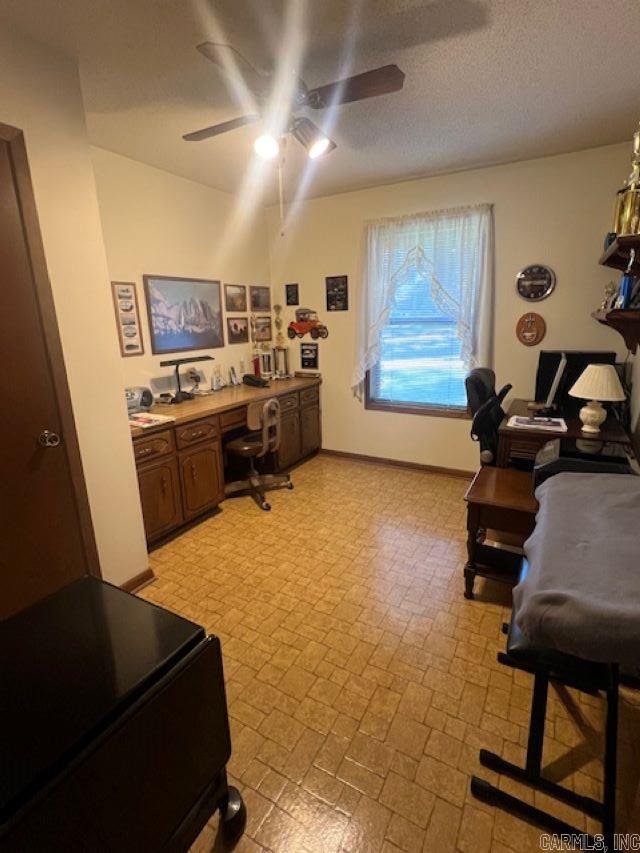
280	350
626	216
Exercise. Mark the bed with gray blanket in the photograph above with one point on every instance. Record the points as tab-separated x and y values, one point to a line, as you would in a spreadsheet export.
581	593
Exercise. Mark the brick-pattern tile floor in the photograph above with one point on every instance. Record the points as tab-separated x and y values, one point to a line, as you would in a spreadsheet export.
361	684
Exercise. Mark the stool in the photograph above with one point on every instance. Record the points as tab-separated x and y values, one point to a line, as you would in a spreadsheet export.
548	665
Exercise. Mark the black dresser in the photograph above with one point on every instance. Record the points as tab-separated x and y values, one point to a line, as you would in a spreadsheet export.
114	733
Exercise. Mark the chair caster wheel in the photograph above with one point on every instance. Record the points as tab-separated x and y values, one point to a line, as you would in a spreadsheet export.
289	485
233	818
264	505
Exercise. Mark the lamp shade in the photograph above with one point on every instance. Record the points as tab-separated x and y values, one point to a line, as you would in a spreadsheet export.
598	382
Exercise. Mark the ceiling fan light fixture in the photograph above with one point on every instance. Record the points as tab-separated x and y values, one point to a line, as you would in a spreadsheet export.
312	138
266	146
319	147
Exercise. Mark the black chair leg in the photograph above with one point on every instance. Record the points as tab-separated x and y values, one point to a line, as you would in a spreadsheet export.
610	761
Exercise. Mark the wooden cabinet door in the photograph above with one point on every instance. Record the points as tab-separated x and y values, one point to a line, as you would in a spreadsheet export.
310	429
289	450
202	479
160	497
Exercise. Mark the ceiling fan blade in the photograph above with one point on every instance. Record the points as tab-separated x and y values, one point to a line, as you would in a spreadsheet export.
217	129
225	56
380	81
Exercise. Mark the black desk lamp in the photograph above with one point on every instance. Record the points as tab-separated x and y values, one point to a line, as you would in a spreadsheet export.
181	395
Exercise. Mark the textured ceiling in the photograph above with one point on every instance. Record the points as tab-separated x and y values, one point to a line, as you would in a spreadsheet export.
487	81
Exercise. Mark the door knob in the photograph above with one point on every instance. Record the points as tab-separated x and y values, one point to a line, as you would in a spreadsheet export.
47	438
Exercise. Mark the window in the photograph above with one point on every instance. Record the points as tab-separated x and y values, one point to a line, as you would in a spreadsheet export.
420	352
425	310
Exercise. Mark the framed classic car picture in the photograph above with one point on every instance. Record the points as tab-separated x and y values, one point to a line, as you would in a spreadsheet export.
184	313
125	303
309	356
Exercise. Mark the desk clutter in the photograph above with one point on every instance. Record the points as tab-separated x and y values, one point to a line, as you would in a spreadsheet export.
182	463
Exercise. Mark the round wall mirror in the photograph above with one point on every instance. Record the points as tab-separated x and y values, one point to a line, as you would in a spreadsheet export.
535	282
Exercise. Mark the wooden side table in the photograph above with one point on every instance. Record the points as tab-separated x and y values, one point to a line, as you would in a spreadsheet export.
515	443
498	499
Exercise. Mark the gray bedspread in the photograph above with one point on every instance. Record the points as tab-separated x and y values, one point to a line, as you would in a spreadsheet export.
581	594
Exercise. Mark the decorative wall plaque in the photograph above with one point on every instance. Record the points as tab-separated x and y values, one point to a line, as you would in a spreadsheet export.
531	329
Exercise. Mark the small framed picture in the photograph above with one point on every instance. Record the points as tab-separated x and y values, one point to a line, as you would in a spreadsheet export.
237	330
260	298
235	297
337	292
292	295
233	376
309	356
125	303
262	329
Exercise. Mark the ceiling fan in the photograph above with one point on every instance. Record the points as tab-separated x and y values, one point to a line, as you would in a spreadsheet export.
379	81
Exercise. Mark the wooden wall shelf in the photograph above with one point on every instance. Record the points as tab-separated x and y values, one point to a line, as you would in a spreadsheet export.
625	322
618	253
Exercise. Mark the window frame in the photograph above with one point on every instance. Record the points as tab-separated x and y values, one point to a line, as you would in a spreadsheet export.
431	409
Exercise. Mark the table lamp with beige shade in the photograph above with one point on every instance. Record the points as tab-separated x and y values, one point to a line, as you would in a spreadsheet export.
598	383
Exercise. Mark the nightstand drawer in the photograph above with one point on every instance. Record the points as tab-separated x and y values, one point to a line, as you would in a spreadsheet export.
288	403
158	444
193	433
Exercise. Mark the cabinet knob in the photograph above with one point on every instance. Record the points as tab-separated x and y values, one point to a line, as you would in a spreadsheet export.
47	438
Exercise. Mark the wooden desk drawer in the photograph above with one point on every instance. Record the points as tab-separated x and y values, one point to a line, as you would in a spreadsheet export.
288	403
158	444
309	396
193	433
234	418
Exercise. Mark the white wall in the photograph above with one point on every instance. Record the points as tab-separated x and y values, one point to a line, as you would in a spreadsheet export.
555	211
154	222
40	94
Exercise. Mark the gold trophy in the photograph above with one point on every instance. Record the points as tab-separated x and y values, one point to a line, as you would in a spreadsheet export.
626	217
280	350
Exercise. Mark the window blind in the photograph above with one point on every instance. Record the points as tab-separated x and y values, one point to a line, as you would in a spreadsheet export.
420	352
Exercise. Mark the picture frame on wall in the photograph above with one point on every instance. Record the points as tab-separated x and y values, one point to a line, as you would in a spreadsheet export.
337	292
237	330
184	313
309	356
292	294
262	329
125	304
260	298
235	297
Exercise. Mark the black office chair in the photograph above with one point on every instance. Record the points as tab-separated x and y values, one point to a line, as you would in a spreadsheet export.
264	422
486	407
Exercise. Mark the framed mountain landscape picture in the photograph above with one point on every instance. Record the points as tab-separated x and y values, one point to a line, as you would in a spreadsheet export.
184	313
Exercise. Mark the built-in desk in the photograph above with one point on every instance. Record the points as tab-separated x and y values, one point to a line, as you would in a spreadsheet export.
180	464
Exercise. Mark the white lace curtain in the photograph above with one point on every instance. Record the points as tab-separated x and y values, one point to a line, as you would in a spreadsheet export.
452	252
